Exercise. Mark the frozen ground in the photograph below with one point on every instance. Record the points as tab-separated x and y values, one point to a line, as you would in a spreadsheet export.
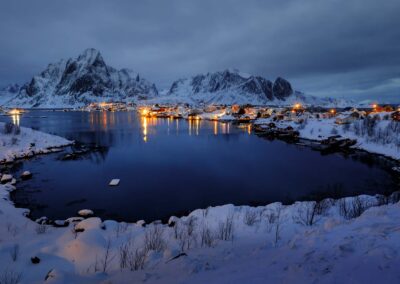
26	143
384	139
225	244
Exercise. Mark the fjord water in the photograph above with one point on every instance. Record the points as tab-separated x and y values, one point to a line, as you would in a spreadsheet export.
170	166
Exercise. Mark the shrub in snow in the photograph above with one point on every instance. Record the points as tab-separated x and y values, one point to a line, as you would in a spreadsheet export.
41	229
124	250
154	239
306	213
11	128
225	229
136	259
130	257
185	232
121	228
250	217
103	263
353	207
277	226
207	237
10	277
14	252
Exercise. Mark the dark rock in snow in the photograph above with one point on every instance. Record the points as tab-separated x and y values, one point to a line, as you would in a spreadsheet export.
35	260
26	175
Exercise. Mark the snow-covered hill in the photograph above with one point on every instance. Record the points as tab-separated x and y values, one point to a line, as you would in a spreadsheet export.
233	87
77	82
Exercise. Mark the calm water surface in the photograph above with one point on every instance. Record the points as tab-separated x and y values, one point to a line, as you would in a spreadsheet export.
169	166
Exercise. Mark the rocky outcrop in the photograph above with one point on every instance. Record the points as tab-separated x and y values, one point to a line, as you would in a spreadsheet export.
282	89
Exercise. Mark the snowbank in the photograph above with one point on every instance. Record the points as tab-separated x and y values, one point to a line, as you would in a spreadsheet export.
223	244
320	129
27	143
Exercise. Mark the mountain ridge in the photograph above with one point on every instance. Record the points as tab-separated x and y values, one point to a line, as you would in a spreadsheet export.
87	78
79	81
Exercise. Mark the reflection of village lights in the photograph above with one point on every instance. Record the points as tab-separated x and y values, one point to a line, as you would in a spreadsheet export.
15	119
215	127
144	129
249	129
197	125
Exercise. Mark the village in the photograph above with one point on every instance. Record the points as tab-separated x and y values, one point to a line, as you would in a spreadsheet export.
333	128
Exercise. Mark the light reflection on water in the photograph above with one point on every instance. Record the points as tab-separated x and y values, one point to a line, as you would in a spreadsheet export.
171	165
15	119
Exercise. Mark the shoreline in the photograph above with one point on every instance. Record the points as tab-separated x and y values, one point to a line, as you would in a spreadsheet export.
203	245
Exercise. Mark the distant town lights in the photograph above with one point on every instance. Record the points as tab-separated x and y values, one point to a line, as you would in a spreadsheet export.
297	106
14	111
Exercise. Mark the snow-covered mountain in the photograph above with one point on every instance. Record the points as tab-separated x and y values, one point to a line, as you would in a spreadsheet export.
77	82
233	87
229	87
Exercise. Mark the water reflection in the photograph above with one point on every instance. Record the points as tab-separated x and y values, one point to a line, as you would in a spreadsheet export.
176	171
15	119
103	120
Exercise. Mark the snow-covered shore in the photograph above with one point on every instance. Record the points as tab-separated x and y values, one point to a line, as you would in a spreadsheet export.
354	239
26	142
223	244
384	140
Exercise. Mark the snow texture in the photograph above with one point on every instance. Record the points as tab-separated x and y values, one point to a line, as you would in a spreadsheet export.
27	143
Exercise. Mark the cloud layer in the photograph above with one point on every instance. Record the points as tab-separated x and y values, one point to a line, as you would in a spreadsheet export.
337	47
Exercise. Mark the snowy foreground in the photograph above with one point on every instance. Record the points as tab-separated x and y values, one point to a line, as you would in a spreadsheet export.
26	142
307	242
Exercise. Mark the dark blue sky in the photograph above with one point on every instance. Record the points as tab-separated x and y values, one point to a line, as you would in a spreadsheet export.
330	48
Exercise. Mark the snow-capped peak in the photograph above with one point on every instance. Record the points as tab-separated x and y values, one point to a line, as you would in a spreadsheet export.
77	82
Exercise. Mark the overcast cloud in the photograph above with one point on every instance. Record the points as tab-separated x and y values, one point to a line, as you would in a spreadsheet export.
341	48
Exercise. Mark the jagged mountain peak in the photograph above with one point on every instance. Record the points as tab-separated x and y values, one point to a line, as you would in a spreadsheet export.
231	86
90	55
79	81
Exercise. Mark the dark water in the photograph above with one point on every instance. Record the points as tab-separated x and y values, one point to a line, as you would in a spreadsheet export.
171	166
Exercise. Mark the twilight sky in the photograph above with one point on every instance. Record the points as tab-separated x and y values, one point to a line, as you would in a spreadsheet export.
341	48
